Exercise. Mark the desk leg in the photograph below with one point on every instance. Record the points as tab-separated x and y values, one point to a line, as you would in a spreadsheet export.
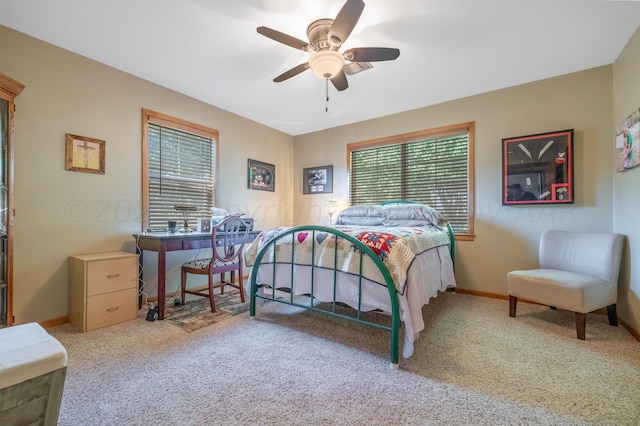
162	269
140	277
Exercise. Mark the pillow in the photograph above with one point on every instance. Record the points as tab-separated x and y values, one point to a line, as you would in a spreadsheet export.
410	223
362	211
413	212
391	215
360	220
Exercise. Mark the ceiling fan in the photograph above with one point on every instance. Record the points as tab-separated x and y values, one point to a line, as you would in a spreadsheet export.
326	36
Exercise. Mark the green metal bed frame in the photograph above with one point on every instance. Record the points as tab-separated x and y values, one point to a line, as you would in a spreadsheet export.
393	327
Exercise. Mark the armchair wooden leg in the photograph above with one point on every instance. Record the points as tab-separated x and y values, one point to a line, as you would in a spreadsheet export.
513	301
612	314
581	323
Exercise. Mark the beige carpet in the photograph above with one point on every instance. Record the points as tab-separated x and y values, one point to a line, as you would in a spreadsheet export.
473	365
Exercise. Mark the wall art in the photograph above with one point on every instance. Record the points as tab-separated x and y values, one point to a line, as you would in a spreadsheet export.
84	154
261	176
317	180
538	169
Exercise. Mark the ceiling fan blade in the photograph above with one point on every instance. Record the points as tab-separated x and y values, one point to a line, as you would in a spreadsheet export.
292	72
371	54
345	21
284	38
340	81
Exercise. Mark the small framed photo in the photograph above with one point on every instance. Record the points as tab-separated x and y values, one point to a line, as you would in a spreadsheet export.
84	154
538	169
261	176
317	180
204	224
628	142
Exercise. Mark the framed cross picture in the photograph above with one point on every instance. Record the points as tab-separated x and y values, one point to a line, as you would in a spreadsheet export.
84	154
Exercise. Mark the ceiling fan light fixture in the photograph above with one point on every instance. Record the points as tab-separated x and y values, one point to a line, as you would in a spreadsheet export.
326	63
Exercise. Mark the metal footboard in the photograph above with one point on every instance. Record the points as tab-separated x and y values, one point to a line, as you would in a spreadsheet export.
360	248
362	251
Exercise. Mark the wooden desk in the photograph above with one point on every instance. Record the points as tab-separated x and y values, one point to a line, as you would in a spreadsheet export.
162	242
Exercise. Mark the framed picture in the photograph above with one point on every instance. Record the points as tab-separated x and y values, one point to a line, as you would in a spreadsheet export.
538	169
317	180
84	154
628	142
261	176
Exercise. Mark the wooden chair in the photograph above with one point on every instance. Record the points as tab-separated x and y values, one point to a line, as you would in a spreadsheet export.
227	243
578	272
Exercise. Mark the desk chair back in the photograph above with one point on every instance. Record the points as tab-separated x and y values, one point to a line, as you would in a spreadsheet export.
227	243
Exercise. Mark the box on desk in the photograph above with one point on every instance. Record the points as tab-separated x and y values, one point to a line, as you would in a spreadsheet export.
206	224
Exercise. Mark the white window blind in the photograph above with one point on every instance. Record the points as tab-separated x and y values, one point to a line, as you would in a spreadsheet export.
181	171
433	171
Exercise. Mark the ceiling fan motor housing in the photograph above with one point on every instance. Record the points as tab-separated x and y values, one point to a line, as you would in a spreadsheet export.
318	34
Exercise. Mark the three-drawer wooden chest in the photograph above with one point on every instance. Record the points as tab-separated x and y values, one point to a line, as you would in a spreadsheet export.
103	289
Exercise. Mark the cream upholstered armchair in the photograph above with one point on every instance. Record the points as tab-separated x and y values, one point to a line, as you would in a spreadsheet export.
578	272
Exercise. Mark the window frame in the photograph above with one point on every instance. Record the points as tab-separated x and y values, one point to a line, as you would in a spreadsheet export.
149	116
435	133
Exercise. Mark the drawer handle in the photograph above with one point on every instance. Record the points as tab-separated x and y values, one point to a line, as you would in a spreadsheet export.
113	309
113	276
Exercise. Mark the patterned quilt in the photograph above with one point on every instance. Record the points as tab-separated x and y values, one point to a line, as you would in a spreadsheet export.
397	247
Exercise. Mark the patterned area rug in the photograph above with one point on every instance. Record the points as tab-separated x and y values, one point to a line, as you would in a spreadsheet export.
195	314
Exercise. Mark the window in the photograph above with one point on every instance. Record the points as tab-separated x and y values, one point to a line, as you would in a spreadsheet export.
179	168
434	167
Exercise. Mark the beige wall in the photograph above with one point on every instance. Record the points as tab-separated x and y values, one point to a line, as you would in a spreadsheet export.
626	186
506	236
60	213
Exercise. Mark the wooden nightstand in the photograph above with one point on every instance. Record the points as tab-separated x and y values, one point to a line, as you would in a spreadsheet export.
103	289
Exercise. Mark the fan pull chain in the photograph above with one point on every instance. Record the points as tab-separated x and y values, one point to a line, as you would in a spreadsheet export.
326	108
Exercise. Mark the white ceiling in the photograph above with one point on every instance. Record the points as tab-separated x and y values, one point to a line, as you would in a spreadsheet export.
210	50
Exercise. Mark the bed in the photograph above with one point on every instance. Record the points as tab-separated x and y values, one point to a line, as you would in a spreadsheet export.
390	258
